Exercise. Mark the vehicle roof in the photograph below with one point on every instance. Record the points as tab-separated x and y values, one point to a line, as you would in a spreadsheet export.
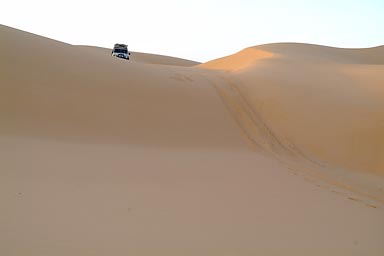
120	46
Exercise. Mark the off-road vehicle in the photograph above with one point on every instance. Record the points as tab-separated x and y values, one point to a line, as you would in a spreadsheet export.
121	51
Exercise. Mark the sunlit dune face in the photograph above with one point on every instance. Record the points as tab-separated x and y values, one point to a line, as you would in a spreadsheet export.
239	61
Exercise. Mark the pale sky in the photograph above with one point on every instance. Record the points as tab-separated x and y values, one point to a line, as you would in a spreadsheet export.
200	29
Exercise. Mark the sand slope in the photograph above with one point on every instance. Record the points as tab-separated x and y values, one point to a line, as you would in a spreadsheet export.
74	94
276	150
322	104
143	57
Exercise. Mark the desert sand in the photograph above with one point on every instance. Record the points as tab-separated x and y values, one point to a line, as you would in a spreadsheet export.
275	150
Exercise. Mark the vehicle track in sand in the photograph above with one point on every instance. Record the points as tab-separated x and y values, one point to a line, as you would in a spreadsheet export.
262	138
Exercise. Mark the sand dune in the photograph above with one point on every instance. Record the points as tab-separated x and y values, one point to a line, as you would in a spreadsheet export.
319	103
275	150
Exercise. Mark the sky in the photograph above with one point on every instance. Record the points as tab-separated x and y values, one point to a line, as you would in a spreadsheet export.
199	30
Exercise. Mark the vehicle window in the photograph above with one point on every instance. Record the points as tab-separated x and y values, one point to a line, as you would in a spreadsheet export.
120	51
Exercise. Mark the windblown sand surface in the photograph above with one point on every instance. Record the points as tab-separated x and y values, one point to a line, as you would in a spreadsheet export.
275	150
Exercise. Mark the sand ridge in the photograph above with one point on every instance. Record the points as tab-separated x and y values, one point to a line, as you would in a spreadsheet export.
238	61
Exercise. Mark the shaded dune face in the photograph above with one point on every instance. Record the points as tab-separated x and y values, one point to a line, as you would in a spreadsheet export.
58	91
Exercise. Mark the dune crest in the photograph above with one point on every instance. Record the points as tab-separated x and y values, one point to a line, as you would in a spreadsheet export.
238	61
144	57
320	54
